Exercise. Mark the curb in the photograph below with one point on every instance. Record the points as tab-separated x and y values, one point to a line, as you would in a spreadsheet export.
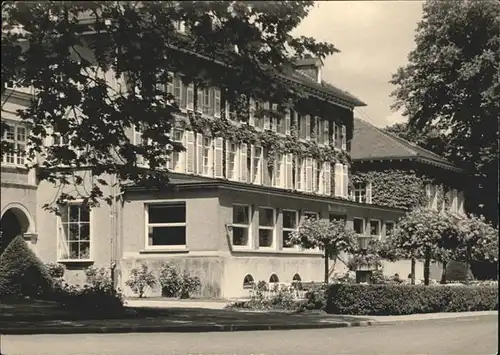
179	329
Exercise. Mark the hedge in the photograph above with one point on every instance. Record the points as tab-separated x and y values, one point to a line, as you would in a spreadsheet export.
355	299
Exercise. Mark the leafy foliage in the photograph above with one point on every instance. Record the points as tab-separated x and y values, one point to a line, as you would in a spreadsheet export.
97	69
459	99
333	237
176	284
477	240
395	188
55	270
140	280
409	299
22	274
279	297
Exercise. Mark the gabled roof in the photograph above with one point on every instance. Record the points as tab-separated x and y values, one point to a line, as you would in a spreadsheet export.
372	143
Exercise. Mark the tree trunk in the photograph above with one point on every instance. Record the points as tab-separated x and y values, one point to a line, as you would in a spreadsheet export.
427	267
443	273
327	269
413	271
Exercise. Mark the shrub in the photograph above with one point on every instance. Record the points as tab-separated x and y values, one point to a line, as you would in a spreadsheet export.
98	277
175	284
55	270
409	299
22	274
263	298
316	297
140	279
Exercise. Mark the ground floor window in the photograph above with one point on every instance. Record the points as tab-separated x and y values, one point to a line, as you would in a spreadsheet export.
166	225
74	232
290	224
241	225
266	227
389	228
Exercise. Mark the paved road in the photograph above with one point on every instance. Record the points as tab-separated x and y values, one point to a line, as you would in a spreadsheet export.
468	336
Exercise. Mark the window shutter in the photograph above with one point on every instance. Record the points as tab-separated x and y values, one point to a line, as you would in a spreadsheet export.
288	121
199	154
334	134
219	143
315	186
177	89
267	122
217	102
190	152
190	97
170	84
309	176
289	171
368	192
327	180
251	118
345	181
199	100
211	158
308	127
338	179
252	167
326	132
344	138
243	162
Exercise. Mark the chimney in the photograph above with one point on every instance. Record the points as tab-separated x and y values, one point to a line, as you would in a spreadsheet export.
311	67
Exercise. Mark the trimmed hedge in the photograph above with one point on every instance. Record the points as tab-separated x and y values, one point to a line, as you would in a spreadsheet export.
409	299
22	274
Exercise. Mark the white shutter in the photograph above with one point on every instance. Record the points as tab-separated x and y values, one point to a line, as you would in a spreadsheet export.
338	179
334	133
326	131
288	171
190	97
211	158
315	186
267	122
228	175
309	177
218	157
288	121
251	110
344	137
199	154
199	100
252	165
217	102
369	192
243	173
327	190
308	127
170	83
190	152
181	168
345	181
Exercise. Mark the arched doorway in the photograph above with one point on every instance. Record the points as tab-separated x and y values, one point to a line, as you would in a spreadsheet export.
14	222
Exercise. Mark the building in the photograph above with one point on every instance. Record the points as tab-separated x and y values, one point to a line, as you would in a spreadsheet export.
390	171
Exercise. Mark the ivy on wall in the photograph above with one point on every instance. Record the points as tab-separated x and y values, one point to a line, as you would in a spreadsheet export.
396	188
272	142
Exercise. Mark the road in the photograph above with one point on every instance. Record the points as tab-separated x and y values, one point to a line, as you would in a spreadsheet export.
468	336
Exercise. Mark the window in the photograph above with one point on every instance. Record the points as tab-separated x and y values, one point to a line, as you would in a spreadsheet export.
374	228
16	138
232	151
241	225
166	225
274	279
310	215
360	192
359	225
74	233
334	217
296	278
278	171
389	228
248	282
290	222
266	227
257	165
300	174
175	163
206	156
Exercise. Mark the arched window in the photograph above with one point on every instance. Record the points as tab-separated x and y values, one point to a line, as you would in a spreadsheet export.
274	279
296	278
248	281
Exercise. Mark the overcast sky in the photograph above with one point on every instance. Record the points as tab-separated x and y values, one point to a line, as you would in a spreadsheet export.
374	38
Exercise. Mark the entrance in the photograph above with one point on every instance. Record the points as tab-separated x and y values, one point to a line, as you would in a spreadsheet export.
13	223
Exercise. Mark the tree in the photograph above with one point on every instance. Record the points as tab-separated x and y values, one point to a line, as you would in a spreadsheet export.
451	84
422	234
70	53
333	237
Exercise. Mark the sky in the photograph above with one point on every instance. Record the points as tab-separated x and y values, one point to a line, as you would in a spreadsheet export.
374	39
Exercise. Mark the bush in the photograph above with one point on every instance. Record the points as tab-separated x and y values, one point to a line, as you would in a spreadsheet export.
97	297
55	270
175	284
409	299
22	274
263	298
140	280
316	298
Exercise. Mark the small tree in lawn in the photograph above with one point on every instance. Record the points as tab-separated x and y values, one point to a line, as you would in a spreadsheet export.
330	236
422	234
140	280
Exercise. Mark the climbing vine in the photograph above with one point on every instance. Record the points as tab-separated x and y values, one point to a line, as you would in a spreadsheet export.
269	140
396	188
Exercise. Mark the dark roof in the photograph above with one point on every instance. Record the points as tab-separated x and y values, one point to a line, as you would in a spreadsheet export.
372	143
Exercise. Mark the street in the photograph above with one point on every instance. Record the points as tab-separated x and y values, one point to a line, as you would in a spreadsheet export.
468	336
